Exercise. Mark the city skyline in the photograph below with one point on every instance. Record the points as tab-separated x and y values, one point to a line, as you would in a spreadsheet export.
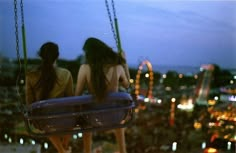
182	33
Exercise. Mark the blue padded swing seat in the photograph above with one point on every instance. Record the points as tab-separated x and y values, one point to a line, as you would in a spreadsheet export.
79	114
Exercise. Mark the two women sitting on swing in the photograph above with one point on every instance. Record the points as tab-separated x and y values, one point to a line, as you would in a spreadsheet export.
104	72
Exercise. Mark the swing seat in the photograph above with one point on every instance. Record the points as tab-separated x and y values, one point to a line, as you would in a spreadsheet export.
79	114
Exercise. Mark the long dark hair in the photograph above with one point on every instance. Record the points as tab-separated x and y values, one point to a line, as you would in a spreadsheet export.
97	55
49	52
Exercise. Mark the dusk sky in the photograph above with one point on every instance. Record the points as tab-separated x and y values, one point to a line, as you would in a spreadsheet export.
171	32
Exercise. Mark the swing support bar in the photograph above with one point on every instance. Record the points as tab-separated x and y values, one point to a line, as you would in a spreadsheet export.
24	47
118	36
115	29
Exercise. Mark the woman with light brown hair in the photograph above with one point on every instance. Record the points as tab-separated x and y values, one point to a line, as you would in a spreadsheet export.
49	81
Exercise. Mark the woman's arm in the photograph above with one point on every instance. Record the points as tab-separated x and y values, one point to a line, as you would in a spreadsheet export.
81	80
125	71
126	68
125	65
124	79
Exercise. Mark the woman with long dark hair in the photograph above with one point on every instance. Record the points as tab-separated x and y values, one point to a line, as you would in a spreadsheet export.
103	72
49	81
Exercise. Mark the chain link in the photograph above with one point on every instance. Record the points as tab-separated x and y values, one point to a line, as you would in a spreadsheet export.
114	9
22	12
17	52
110	19
16	30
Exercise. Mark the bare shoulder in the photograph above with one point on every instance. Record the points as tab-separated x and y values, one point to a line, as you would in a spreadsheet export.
84	69
119	67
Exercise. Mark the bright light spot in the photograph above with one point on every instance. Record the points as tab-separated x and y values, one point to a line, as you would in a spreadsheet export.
146	100
168	88
228	145
10	140
22	81
45	145
197	125
190	100
159	101
164	76
136	110
5	136
75	136
211	150
185	106
173	100
146	75
174	146
181	75
232	98
211	124
216	98
211	102
203	145
235	77
231	82
21	141
195	76
33	142
131	80
80	135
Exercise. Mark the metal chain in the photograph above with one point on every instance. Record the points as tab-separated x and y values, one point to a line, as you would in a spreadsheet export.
17	50
110	19
114	9
22	12
16	31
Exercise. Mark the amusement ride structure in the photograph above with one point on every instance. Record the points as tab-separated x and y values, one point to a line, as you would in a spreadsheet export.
150	76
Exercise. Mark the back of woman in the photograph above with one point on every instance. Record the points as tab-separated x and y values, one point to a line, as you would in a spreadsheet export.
103	72
114	75
49	81
62	88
